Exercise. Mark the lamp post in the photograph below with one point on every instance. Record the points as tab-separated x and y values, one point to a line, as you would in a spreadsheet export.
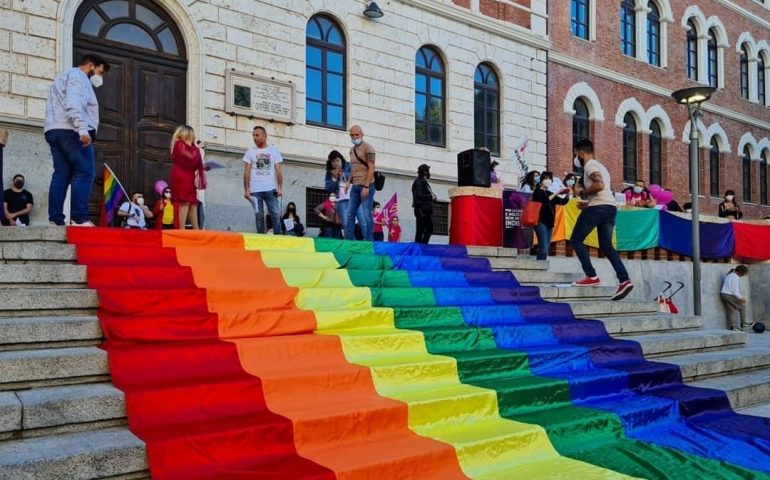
373	11
693	98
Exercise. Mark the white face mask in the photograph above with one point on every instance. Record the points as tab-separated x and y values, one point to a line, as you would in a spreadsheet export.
546	183
97	81
570	183
638	189
140	201
576	162
729	198
687	210
167	195
356	141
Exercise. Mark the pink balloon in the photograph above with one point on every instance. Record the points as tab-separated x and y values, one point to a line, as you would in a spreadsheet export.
160	185
664	196
654	188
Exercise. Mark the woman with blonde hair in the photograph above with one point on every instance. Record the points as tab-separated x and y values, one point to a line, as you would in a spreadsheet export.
186	171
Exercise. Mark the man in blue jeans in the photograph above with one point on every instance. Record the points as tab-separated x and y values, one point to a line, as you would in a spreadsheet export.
362	190
263	180
598	211
71	121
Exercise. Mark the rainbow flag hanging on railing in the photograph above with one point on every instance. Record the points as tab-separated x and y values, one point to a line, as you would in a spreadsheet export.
113	194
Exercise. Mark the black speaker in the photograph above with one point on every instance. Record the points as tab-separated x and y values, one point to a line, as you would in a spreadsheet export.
473	169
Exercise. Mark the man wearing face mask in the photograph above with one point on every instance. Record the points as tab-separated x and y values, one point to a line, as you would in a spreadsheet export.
638	195
361	184
135	212
422	202
17	203
71	121
598	211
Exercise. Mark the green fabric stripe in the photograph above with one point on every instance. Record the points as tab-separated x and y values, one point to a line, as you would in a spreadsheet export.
358	261
336	245
380	278
584	434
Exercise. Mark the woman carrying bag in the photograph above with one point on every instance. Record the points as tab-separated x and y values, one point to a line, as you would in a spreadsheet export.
547	216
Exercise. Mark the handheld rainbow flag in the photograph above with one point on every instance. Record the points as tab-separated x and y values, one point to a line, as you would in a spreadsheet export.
113	194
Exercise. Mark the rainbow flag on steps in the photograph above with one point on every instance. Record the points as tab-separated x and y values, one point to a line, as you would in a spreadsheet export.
251	356
112	195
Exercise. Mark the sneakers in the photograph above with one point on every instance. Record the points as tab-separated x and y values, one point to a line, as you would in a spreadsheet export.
623	290
587	282
87	223
746	327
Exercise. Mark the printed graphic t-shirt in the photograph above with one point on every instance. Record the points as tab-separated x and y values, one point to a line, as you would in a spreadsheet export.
263	162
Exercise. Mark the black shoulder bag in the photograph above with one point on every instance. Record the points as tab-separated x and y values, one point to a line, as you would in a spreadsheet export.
379	177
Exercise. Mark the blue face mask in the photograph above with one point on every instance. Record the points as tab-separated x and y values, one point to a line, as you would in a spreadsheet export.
570	182
537	179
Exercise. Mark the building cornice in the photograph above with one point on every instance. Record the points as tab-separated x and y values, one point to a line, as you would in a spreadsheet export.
497	27
611	75
745	13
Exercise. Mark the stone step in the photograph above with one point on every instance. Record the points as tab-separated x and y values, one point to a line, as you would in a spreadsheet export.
47	301
517	263
492	252
549	292
545	278
37	252
624	326
108	452
744	389
66	408
761	410
608	308
52	366
48	332
42	275
33	234
674	343
703	365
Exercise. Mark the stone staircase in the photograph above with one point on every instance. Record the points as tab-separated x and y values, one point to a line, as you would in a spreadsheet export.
736	362
60	417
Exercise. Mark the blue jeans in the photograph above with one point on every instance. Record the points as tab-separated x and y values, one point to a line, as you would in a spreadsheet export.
273	209
360	208
73	164
601	217
342	210
543	240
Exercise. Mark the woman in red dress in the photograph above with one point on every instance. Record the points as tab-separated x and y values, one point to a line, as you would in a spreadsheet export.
187	166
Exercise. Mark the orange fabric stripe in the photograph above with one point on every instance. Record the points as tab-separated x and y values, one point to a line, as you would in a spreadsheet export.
339	419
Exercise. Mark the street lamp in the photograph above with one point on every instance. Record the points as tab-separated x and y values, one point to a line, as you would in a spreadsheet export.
373	11
693	97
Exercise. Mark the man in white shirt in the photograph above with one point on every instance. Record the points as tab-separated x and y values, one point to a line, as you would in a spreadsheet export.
71	121
598	211
135	212
263	180
732	299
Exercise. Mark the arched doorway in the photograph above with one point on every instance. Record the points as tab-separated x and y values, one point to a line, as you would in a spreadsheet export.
144	95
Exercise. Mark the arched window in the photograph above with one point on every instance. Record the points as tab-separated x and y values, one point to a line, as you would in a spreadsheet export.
429	123
761	93
692	51
746	174
713	64
628	28
656	154
629	149
763	179
744	72
580	121
325	73
714	189
653	34
580	18
132	23
486	109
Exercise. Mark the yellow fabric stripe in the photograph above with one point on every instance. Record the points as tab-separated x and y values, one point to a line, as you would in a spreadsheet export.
255	241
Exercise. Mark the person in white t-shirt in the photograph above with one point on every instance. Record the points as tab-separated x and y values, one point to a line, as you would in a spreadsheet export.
263	180
135	212
732	299
598	211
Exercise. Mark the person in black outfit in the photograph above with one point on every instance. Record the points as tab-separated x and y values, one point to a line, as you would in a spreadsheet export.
422	202
17	203
547	219
730	208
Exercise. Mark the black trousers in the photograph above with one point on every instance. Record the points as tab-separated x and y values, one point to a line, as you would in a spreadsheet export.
424	226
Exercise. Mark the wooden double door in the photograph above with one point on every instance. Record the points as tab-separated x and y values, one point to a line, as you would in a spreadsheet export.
142	101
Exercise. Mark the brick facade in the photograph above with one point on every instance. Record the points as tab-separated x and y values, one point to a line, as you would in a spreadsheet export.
622	81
